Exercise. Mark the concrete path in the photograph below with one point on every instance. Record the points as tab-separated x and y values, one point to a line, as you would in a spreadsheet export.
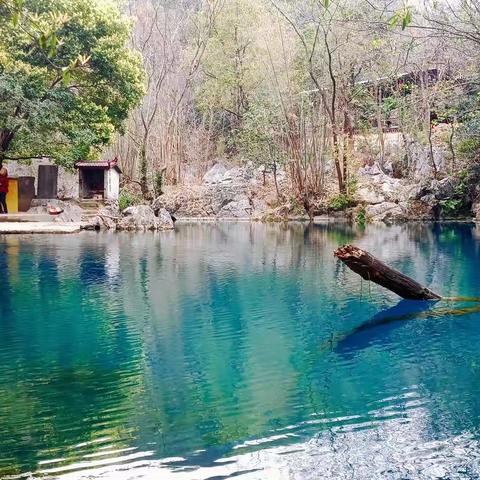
26	217
38	227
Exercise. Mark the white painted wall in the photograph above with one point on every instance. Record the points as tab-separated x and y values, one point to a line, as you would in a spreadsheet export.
112	184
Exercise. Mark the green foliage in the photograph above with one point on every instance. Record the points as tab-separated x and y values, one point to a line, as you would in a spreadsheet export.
389	105
296	207
340	202
256	137
468	146
402	18
67	79
361	216
158	183
467	112
127	199
352	185
231	61
451	206
458	201
464	180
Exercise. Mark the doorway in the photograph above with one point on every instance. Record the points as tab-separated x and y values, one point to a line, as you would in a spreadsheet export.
92	183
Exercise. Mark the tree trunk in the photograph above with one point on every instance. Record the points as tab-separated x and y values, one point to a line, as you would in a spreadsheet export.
336	156
144	173
6	137
372	269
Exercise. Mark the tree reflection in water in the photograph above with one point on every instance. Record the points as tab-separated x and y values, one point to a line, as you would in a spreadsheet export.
206	343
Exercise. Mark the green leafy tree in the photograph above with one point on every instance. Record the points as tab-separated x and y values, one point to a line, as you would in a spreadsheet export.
67	78
258	138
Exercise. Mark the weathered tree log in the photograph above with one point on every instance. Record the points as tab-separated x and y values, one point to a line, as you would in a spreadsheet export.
372	269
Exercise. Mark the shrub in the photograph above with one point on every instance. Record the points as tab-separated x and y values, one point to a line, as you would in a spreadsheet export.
158	185
361	217
451	206
127	199
340	202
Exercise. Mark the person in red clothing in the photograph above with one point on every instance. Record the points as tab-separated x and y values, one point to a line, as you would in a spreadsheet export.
3	189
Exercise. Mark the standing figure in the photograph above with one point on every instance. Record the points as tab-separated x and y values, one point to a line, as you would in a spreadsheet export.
3	189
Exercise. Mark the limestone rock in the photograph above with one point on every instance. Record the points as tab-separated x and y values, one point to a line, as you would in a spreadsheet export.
237	192
476	210
429	200
239	207
71	212
142	217
422	210
165	219
105	220
415	191
215	174
443	189
387	212
366	195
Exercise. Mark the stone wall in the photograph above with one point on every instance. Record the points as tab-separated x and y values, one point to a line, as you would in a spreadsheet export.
67	179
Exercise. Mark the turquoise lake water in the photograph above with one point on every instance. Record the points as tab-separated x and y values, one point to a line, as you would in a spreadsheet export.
238	350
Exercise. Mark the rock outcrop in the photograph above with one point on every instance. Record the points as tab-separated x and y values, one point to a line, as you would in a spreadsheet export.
386	212
142	217
135	218
388	199
236	192
108	217
476	210
72	212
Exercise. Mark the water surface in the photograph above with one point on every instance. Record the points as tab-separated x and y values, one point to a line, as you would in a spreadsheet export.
237	350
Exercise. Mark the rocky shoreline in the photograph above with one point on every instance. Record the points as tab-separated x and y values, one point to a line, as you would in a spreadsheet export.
247	193
241	193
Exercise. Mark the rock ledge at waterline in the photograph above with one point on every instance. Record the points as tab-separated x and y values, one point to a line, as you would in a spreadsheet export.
135	218
109	217
242	193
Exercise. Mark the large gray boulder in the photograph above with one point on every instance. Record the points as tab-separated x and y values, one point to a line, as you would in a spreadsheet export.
367	195
386	212
142	217
444	189
239	207
105	219
222	200
376	187
237	192
165	219
215	174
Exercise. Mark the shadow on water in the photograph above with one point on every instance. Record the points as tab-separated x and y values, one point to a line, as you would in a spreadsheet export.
381	325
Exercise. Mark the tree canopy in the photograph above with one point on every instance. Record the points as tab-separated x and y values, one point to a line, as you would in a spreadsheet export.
67	78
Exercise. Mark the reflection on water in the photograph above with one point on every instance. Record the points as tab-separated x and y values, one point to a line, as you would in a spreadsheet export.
222	349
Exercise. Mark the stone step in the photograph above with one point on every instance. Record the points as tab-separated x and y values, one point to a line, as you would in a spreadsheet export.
26	217
38	227
91	203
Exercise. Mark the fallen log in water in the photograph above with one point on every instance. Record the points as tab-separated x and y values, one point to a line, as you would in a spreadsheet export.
372	269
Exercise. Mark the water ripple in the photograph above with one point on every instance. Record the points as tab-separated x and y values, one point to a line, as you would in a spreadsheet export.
231	350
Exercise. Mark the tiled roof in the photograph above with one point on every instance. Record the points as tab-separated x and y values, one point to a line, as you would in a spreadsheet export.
107	164
93	164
